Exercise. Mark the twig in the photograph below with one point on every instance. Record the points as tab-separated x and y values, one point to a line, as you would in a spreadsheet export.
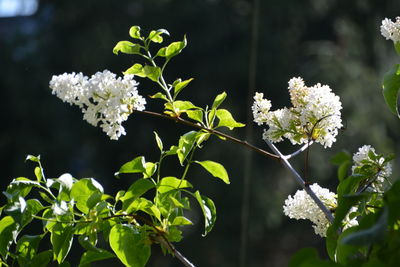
277	155
299	150
300	180
218	133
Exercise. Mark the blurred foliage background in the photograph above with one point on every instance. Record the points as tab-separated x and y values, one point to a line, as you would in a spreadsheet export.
334	42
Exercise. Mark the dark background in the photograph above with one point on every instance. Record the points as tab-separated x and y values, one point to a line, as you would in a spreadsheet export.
332	42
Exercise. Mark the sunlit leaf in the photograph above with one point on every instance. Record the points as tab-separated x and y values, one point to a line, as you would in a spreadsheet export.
226	119
158	141
216	169
137	165
137	69
218	100
87	193
167	184
126	47
209	211
7	227
180	85
95	255
61	239
129	246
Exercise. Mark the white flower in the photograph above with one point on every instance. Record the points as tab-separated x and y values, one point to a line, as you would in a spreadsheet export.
315	115
104	99
391	30
384	169
301	206
260	108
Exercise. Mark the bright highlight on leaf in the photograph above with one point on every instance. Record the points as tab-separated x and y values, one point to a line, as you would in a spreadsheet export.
216	170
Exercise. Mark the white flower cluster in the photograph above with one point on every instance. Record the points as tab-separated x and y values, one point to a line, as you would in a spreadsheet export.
384	169
391	29
315	115
301	206
104	99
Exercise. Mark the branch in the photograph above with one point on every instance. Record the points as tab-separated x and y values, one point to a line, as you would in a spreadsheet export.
300	180
215	132
277	155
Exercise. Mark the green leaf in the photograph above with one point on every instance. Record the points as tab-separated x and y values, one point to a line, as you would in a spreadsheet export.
170	183
175	48
391	87
331	242
42	259
218	100
153	73
150	169
87	193
226	119
137	165
143	205
136	190
180	220
216	169
185	145
26	249
95	255
38	173
155	37
397	47
134	32
129	245
344	205
61	239
178	86
374	234
7	227
33	158
33	206
182	106
196	115
127	47
159	141
137	69
392	198
345	253
209	211
160	96
161	52
343	160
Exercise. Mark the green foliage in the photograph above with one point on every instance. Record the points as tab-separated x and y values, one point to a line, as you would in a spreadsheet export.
375	240
391	87
151	212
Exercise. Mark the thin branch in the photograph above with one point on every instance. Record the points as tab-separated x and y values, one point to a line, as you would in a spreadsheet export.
277	155
300	180
161	237
299	150
218	133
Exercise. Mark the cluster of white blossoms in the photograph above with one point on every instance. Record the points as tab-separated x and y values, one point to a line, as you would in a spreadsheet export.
105	100
391	29
302	206
315	115
383	169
